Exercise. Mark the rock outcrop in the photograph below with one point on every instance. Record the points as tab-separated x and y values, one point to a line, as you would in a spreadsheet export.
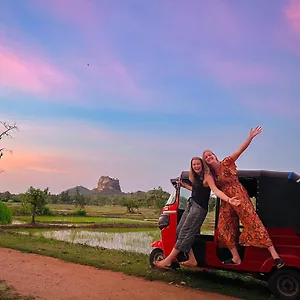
108	183
107	186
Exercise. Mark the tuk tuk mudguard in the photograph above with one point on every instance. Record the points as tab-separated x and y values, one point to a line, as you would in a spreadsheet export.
290	261
158	244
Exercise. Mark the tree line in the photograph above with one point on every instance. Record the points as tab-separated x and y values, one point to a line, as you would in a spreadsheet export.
35	201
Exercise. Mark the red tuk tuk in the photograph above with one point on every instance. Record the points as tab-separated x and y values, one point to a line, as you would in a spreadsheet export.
277	202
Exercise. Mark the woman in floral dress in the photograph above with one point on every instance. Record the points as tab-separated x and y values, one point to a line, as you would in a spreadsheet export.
254	233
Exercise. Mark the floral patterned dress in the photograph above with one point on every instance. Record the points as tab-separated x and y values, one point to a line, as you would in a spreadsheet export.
254	232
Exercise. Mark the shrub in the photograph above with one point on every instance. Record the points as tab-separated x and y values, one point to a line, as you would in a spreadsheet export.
79	212
45	211
5	214
20	210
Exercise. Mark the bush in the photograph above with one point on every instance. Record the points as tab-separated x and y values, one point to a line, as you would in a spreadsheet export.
5	214
79	212
10	201
45	211
20	210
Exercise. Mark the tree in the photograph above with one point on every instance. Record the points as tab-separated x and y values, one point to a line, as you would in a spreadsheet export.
157	197
102	200
5	196
8	129
79	199
65	197
36	200
130	203
53	199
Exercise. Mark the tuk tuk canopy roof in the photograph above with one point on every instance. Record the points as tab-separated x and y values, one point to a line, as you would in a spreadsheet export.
257	174
277	195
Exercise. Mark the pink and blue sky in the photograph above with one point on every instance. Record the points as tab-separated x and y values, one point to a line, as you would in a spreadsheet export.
133	89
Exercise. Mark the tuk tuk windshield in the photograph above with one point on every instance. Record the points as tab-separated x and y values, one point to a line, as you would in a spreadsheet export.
172	198
185	194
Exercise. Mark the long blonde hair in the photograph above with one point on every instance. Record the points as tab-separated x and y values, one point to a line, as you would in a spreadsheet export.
210	169
204	171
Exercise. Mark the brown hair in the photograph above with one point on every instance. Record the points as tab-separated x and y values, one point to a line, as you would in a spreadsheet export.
204	170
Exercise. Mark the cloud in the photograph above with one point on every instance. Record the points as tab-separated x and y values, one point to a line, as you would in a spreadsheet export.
276	106
63	154
31	161
37	168
109	76
98	69
288	31
192	21
85	15
31	73
292	15
232	72
47	170
60	154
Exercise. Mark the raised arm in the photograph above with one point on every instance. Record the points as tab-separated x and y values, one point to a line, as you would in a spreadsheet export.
185	185
220	194
253	133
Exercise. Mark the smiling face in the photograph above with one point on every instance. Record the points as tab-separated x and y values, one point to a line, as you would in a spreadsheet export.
209	157
196	165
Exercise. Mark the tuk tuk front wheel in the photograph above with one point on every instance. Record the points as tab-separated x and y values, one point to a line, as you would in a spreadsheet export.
285	284
156	255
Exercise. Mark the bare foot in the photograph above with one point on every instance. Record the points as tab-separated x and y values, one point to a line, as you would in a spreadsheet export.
189	264
161	264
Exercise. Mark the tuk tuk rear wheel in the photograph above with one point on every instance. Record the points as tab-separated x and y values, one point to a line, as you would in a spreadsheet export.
285	284
156	255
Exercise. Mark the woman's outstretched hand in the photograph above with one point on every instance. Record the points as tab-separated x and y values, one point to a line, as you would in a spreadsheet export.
179	182
254	132
234	201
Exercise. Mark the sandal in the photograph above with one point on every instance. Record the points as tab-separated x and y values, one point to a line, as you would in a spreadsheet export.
279	263
230	262
189	265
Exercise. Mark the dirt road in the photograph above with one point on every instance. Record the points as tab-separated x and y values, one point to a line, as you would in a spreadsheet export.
52	279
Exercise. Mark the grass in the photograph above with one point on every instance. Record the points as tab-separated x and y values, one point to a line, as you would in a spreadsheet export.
109	210
105	215
81	220
113	211
138	265
153	231
8	293
114	216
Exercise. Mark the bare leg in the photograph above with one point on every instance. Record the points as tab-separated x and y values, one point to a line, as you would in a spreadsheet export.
191	262
273	252
235	255
279	263
165	263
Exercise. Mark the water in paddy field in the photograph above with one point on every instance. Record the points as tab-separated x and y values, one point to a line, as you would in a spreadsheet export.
129	240
133	240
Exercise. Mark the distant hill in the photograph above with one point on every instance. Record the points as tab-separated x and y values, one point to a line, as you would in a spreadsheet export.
106	186
105	192
81	189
